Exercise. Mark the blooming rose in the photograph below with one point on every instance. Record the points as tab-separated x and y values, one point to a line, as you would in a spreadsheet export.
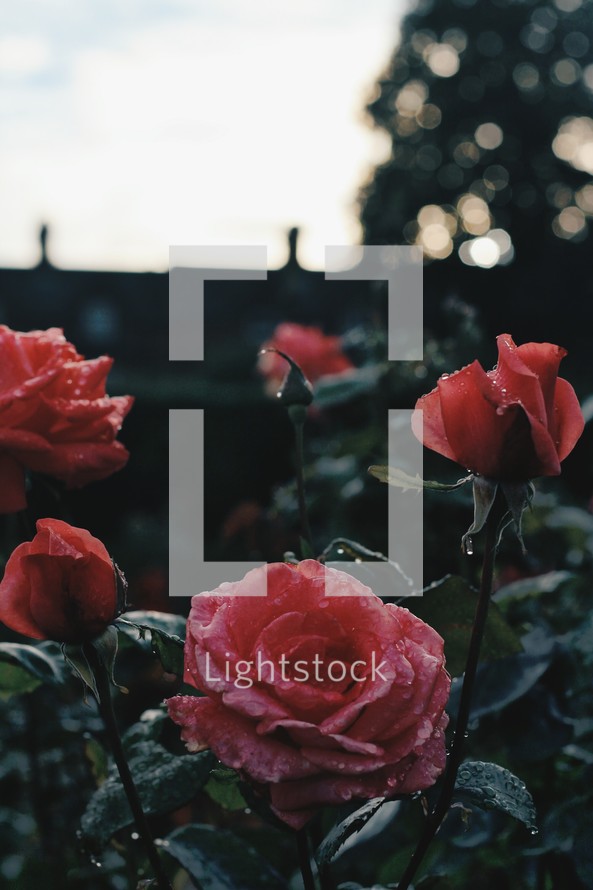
315	353
54	415
510	424
59	586
318	691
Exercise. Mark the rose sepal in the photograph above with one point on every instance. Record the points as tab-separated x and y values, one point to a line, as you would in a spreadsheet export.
518	496
76	657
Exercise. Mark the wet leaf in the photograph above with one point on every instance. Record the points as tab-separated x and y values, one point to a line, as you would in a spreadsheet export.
537	586
16	680
501	683
217	860
449	606
24	667
335	389
492	787
225	793
164	781
166	633
343	830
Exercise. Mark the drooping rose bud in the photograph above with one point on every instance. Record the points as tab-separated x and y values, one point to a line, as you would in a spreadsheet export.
294	390
316	354
60	586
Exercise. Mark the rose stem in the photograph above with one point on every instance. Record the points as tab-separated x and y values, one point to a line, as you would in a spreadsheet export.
106	708
439	812
304	860
298	423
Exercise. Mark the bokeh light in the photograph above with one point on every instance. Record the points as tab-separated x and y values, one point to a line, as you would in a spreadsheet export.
574	143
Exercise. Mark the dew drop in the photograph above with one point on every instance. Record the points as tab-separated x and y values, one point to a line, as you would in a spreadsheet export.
533	831
468	546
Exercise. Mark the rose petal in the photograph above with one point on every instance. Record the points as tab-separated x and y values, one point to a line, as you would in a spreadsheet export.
206	724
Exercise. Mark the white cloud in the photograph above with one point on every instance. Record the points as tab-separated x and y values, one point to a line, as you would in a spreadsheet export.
203	130
22	56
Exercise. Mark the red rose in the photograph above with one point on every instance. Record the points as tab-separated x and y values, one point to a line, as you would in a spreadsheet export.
315	353
318	691
515	422
59	586
54	415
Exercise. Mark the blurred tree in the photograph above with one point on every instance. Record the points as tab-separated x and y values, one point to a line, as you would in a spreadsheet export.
489	110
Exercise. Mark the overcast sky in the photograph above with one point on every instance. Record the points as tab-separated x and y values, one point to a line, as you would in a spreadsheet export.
129	125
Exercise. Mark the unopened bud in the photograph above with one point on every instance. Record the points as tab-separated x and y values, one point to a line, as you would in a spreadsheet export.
295	388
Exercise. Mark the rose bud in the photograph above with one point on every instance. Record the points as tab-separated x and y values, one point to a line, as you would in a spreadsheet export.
60	586
317	692
314	352
513	423
295	390
55	417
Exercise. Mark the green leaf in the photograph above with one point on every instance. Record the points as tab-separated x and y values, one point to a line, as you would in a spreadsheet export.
440	882
148	729
166	636
15	680
401	479
449	606
537	586
335	389
225	793
492	787
306	549
509	679
23	667
98	760
164	781
345	550
217	860
174	625
352	885
169	650
343	830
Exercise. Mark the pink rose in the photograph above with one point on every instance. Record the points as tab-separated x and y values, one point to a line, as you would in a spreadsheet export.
318	692
314	352
54	415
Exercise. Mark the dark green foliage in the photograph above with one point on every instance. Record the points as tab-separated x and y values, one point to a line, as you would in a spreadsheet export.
494	788
218	860
449	606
